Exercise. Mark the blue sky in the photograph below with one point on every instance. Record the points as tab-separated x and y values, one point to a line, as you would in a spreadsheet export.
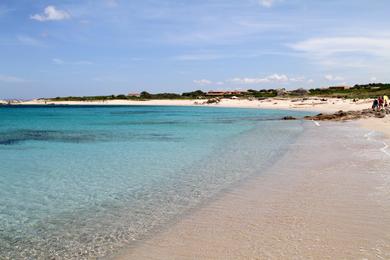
96	47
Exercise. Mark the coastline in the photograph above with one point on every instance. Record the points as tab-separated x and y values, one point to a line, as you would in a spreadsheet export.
311	104
337	207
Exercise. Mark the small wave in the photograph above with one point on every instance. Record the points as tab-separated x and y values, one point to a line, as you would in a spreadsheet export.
384	149
369	135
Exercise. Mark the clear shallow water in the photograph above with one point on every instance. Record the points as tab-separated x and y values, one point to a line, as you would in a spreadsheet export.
85	181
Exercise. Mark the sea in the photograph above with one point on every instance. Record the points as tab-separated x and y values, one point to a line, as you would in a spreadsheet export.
79	182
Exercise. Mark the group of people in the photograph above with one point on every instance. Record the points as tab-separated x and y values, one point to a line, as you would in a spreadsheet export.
380	103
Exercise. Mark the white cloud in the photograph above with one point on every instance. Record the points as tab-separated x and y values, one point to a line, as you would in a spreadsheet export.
51	13
355	52
335	45
332	78
11	79
267	3
274	78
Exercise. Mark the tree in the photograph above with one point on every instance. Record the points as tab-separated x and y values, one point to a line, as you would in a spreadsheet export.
146	95
194	94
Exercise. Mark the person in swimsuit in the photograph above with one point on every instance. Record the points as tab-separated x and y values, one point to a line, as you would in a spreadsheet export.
375	104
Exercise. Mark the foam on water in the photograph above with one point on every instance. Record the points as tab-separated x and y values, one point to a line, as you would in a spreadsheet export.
85	181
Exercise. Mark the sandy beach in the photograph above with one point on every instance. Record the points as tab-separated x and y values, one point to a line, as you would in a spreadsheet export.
322	200
328	105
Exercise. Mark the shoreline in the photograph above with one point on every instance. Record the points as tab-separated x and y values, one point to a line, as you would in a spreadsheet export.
317	104
264	216
373	124
195	234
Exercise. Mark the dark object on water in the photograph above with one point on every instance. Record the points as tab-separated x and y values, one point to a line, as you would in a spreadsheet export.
289	118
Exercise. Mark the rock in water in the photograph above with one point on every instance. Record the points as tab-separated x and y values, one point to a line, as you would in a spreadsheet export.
289	118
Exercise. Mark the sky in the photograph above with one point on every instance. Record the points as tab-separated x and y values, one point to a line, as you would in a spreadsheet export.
103	47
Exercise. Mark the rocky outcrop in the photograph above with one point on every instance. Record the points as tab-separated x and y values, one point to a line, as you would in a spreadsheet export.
349	115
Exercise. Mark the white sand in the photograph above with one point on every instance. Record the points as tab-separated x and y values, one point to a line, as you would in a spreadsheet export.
312	104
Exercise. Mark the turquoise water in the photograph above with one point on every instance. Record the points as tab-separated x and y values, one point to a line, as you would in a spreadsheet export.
86	181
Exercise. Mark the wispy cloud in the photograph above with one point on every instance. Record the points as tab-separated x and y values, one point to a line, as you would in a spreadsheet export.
111	3
337	45
267	3
205	82
200	57
227	54
332	78
274	78
4	10
51	13
58	61
345	51
224	30
11	79
29	41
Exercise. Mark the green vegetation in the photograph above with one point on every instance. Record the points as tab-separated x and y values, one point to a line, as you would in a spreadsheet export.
358	91
264	93
95	98
194	94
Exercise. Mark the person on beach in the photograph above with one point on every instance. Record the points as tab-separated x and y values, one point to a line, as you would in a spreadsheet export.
386	100
375	104
380	103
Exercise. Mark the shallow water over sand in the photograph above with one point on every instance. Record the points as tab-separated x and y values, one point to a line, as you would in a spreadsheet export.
327	198
78	182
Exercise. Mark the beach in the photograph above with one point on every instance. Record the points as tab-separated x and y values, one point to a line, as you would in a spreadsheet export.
323	194
327	198
328	105
180	130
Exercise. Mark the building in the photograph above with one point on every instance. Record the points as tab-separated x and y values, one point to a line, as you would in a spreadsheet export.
134	95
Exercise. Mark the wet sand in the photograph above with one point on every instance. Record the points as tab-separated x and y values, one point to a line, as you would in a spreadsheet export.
380	125
327	198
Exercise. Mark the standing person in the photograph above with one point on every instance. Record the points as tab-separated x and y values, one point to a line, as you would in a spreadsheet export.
386	100
375	104
380	103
